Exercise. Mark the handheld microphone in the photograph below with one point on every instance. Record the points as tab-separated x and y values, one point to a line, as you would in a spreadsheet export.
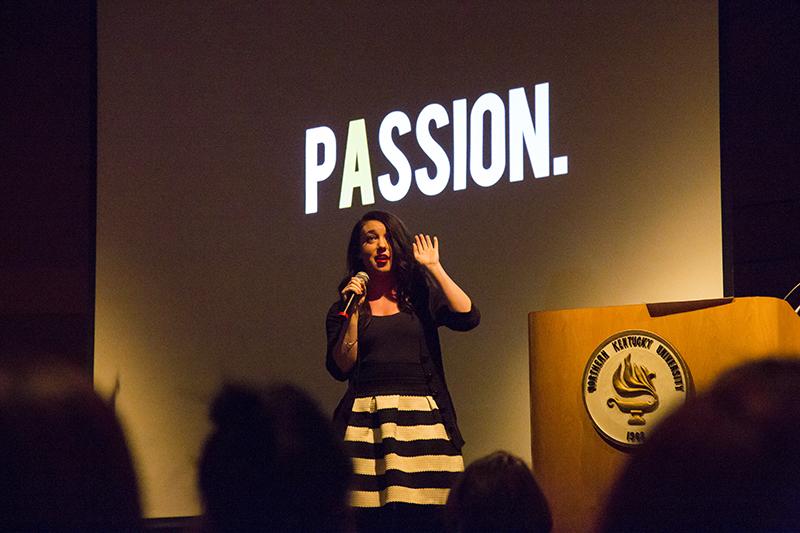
352	298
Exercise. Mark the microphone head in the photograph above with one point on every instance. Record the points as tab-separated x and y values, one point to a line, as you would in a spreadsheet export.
363	276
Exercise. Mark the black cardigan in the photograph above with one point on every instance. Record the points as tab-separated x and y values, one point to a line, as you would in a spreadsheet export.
434	313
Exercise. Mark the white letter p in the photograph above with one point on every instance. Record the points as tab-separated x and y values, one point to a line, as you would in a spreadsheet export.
317	171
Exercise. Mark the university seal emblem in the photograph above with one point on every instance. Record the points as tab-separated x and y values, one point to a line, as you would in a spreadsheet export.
632	381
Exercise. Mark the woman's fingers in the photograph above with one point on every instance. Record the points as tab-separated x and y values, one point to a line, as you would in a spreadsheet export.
355	285
426	250
424	241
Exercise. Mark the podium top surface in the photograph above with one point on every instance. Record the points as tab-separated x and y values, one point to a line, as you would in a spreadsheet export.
658	309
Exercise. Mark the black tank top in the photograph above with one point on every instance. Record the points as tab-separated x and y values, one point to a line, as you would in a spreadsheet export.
390	349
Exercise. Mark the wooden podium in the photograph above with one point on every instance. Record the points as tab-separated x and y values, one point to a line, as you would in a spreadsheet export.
573	463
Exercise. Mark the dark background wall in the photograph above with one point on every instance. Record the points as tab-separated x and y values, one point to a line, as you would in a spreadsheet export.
47	171
48	167
760	128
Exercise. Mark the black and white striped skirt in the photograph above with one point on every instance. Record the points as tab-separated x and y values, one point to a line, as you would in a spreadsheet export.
401	452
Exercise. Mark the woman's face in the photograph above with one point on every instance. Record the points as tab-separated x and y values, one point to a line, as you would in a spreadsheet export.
376	251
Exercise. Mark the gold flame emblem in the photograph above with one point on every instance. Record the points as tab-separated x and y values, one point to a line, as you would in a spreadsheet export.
636	394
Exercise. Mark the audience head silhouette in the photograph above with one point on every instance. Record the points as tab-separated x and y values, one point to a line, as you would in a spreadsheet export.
498	493
725	462
272	463
64	462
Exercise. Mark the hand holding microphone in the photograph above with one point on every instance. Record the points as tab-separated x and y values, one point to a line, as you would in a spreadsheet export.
352	293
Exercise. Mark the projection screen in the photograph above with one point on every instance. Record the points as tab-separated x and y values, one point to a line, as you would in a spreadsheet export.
566	154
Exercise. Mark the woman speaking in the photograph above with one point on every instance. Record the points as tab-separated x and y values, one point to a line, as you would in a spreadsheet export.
396	418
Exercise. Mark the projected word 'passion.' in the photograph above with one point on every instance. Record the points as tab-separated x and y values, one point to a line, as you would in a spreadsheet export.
526	133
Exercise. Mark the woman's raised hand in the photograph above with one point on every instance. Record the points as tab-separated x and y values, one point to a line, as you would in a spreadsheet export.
426	251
